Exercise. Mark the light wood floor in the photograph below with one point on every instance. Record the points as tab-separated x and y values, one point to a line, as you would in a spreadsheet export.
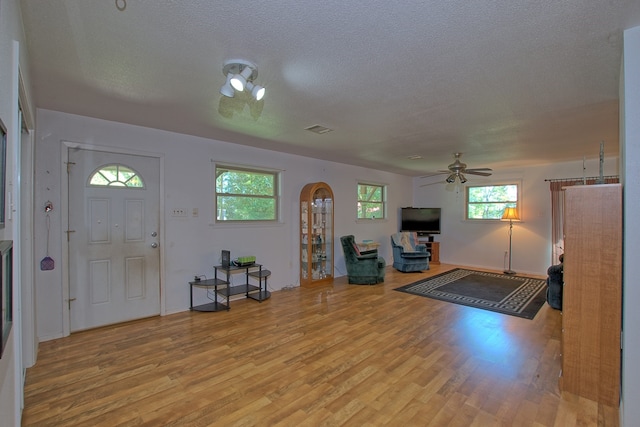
337	355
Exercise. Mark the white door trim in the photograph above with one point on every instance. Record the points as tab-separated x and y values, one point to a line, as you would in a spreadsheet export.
64	210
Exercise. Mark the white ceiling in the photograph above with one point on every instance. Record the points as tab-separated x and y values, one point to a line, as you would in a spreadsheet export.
507	82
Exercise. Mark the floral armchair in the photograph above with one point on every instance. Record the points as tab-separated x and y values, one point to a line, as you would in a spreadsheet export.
408	253
363	268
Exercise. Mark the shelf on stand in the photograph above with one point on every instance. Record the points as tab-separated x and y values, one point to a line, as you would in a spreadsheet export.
260	295
208	283
222	287
237	290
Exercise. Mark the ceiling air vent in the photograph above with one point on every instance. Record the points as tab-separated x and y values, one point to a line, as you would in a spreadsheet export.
318	129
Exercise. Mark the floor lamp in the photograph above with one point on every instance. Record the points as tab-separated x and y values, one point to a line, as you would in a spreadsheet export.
510	214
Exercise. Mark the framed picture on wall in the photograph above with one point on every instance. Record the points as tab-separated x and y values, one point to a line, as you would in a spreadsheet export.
3	170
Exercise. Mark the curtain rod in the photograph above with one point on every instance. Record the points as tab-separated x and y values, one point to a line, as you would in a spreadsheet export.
590	178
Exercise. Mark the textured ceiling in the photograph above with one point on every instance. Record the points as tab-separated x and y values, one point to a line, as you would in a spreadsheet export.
509	83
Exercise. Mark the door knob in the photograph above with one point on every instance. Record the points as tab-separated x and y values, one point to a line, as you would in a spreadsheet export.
154	245
154	234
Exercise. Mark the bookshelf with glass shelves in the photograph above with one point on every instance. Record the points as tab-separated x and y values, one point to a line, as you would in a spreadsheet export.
316	234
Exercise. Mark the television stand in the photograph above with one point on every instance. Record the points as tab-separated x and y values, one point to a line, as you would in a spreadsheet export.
432	247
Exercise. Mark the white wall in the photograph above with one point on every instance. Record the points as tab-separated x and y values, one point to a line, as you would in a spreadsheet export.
630	155
481	244
192	245
14	55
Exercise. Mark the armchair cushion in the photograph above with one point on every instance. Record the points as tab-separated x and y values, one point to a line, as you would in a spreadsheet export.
365	268
408	253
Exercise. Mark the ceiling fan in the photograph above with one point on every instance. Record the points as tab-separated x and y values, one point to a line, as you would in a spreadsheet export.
457	169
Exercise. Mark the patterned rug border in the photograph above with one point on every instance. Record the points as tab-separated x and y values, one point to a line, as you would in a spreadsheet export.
525	301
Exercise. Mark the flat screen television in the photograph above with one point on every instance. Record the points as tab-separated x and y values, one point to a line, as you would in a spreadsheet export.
425	221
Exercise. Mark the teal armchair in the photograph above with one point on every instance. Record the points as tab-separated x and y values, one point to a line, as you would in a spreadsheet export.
408	254
363	268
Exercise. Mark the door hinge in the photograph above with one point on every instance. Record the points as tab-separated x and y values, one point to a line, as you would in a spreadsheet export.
69	166
69	232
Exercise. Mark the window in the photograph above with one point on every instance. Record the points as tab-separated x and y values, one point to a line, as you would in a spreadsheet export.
371	201
115	176
488	201
244	194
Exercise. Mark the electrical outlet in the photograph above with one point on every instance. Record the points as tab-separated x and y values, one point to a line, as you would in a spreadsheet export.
179	212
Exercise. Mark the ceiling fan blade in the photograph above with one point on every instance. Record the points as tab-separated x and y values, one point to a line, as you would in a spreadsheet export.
480	169
477	172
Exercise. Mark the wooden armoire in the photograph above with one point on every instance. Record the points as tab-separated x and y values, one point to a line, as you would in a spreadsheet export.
592	292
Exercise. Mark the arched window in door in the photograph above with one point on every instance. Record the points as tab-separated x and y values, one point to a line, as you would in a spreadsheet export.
115	175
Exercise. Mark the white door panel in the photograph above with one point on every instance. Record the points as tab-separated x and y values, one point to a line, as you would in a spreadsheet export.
114	266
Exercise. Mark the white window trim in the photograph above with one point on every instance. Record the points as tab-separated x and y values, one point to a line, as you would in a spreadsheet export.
517	182
385	201
241	224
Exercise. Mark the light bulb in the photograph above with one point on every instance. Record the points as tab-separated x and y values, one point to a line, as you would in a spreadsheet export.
238	81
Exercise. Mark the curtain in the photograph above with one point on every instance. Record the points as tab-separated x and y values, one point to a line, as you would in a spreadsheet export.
557	210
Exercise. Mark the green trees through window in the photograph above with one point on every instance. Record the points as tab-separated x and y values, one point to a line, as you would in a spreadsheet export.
371	200
246	194
489	201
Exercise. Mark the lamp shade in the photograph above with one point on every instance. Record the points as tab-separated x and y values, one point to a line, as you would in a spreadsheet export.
510	214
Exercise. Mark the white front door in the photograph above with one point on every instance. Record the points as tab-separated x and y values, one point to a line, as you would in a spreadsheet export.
114	260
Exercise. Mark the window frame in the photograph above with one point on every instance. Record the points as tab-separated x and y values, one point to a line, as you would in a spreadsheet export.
383	203
277	193
116	183
518	202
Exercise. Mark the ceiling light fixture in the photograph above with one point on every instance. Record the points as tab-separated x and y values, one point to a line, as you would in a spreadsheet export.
240	80
240	76
227	89
256	91
452	178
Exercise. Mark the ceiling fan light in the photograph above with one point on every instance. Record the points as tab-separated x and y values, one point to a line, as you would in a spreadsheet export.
451	178
462	178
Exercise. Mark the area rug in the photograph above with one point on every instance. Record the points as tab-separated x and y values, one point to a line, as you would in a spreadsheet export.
513	295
